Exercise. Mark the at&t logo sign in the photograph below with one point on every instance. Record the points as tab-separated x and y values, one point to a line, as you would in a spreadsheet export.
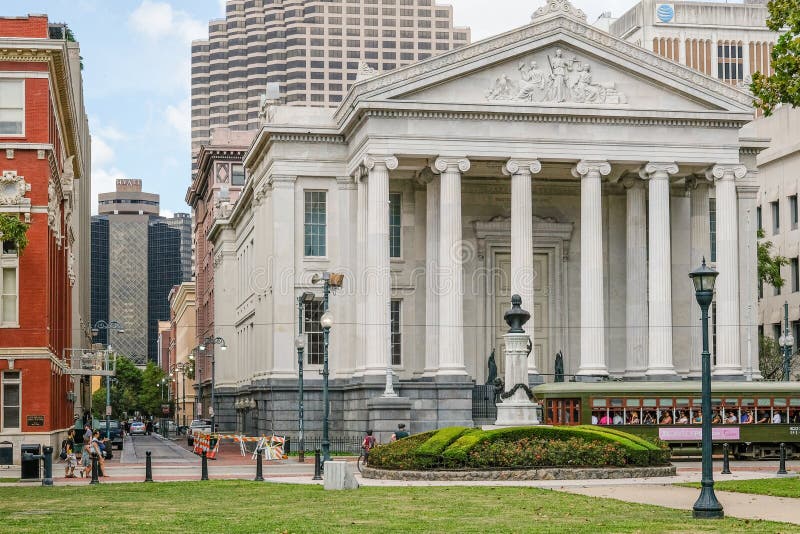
665	12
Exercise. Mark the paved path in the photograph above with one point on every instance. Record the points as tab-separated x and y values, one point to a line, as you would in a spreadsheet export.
741	505
135	448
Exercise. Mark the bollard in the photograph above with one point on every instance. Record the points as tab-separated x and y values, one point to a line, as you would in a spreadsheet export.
48	466
726	466
287	446
95	469
301	455
782	464
259	467
204	473
317	466
148	468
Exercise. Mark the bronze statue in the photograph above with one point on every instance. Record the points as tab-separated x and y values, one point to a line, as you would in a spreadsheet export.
492	369
559	367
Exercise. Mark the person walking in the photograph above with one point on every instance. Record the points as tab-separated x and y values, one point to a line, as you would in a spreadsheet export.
367	444
400	433
68	447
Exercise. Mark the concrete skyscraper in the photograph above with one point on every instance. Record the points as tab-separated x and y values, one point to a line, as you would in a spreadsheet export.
310	49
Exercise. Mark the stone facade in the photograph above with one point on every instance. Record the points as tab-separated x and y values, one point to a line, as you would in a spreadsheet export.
562	198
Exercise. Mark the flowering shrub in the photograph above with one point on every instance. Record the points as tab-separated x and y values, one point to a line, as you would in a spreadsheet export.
538	452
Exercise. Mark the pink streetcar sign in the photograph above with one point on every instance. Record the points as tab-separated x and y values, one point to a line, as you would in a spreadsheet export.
696	434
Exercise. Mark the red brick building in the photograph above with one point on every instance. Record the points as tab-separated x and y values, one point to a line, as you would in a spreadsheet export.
216	186
45	182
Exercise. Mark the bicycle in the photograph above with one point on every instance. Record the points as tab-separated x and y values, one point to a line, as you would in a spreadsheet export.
362	459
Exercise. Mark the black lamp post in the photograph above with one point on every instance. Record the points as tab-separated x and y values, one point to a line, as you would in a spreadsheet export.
707	505
300	345
222	346
326	321
107	325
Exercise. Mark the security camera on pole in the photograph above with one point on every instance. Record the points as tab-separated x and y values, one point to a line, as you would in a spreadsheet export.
517	407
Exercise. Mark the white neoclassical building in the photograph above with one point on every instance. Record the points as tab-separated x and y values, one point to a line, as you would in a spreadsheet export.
554	161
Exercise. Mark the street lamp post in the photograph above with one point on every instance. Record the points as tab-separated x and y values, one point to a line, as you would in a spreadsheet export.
707	505
182	368
300	344
222	346
326	321
786	341
107	325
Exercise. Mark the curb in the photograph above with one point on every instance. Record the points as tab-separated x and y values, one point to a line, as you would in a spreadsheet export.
554	473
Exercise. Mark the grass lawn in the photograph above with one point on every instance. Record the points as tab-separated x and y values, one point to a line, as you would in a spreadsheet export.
241	506
776	487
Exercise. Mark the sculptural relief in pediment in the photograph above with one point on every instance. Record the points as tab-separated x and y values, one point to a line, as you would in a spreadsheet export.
564	78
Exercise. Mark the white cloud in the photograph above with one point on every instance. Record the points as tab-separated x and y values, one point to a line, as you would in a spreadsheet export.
167	213
158	20
179	117
102	154
110	132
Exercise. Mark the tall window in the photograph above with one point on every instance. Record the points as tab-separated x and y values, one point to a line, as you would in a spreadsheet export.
777	331
795	275
237	174
11	400
712	225
730	64
758	218
776	217
9	301
315	223
395	208
793	211
313	330
397	346
12	107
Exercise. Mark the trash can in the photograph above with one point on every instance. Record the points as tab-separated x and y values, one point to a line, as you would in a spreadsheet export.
29	468
6	453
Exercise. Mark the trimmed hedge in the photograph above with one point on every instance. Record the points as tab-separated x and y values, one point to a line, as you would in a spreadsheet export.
538	446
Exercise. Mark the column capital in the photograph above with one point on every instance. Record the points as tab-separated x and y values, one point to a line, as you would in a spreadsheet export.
658	170
726	172
521	166
697	181
584	168
388	161
452	164
425	176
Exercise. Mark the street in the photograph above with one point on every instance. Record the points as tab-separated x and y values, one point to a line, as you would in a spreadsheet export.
136	447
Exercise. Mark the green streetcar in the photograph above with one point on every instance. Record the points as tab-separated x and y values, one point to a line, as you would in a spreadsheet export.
754	418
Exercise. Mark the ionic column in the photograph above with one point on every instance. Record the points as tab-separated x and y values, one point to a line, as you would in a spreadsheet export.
362	216
700	247
431	182
377	274
593	343
451	276
636	272
522	274
728	360
659	352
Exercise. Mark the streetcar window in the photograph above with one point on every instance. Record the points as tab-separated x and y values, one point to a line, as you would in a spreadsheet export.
632	403
599	403
649	403
794	402
781	402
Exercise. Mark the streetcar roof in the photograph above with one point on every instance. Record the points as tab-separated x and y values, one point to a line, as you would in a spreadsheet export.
687	386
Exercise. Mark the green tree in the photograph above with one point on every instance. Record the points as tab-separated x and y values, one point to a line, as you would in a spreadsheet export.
770	360
784	85
769	266
150	395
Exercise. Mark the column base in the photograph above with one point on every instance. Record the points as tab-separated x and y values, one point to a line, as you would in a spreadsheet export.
634	376
662	375
728	376
523	413
591	378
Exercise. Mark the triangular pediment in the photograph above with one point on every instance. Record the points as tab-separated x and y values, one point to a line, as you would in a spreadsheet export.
556	61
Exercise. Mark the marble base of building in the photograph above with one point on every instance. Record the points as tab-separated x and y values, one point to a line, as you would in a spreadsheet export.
517	414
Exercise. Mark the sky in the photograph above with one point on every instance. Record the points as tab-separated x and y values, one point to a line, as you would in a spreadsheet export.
136	56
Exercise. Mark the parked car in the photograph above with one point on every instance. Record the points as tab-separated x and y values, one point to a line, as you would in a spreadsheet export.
198	426
171	427
137	427
114	429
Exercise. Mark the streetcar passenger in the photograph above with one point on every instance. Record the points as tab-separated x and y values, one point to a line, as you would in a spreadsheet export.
731	419
634	420
795	417
745	418
666	419
594	419
776	418
618	419
716	419
763	419
605	420
698	418
649	418
683	419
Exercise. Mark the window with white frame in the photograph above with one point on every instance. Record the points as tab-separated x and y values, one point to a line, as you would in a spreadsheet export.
315	223
397	345
313	329
12	107
395	221
9	285
11	400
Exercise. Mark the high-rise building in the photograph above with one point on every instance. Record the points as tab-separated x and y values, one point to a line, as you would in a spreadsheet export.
729	41
183	223
45	182
137	256
311	50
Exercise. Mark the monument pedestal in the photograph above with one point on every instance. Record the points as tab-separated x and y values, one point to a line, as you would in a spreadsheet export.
517	414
